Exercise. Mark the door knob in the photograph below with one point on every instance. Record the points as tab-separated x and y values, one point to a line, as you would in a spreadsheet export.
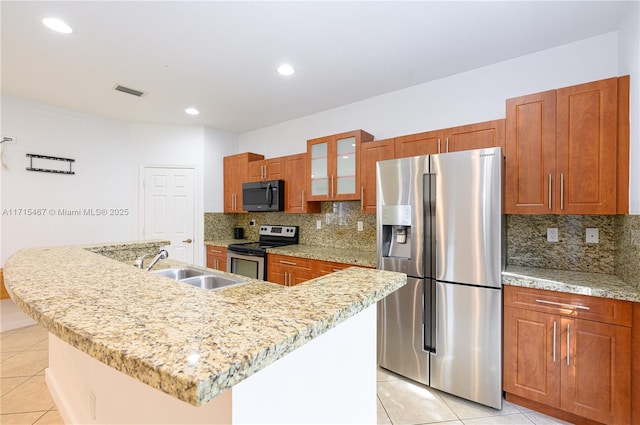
188	241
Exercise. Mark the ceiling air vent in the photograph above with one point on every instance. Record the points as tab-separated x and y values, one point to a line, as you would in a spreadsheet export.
127	90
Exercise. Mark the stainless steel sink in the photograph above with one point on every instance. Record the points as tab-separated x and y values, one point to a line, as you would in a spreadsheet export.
201	278
180	273
212	281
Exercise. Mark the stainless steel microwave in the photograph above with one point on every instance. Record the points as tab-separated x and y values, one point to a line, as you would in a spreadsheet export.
263	196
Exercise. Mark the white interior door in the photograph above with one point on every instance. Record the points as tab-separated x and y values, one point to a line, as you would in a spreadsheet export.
169	209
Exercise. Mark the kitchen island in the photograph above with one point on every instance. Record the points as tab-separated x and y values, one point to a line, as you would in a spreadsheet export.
129	346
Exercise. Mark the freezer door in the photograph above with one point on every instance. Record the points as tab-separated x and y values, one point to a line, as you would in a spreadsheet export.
467	361
400	330
468	215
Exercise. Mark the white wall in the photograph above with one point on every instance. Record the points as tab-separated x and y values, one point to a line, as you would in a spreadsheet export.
109	155
629	63
469	97
102	179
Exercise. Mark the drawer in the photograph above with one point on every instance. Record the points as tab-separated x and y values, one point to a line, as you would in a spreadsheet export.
288	261
216	250
617	312
326	267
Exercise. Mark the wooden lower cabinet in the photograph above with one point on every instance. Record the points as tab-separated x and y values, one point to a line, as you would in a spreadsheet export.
287	270
217	258
556	358
326	267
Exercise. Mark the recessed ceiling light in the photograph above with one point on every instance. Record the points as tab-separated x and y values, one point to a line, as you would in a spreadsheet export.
57	25
286	70
192	111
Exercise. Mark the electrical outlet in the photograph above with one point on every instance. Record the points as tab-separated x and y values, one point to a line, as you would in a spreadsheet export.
252	223
552	234
360	226
591	235
319	224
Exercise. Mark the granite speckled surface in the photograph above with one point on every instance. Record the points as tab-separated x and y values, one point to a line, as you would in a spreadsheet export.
583	283
628	248
187	342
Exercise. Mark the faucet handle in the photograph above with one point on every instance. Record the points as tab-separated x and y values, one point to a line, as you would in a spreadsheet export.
140	260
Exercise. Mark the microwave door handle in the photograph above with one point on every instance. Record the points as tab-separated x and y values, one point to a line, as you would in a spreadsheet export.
269	195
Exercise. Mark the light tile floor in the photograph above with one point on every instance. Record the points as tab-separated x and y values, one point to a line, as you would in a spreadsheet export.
25	398
404	402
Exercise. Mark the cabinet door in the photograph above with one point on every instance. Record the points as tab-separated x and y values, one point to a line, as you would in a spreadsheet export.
532	356
295	187
319	151
370	153
346	182
255	171
530	153
426	143
217	258
488	134
236	172
586	139
596	379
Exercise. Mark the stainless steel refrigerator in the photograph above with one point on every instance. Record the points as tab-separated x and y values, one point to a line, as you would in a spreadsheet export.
439	220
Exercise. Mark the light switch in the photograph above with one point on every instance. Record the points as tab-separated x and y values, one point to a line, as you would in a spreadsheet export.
592	235
552	234
360	226
319	224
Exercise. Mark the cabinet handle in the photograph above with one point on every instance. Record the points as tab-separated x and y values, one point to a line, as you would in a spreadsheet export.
303	200
568	346
562	191
217	252
361	198
571	306
550	188
438	145
290	263
554	341
447	148
233	202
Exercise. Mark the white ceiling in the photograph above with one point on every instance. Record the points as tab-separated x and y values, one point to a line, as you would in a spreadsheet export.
220	57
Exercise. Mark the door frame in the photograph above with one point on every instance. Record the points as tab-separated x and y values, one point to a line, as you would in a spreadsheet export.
198	225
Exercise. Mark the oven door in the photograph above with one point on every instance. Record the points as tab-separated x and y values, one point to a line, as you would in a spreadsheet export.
246	265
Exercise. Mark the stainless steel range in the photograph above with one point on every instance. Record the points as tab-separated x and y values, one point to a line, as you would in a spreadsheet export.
249	258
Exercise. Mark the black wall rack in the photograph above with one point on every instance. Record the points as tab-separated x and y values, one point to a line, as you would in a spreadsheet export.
51	158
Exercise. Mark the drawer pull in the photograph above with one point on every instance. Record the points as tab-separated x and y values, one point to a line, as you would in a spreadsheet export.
290	263
571	306
568	344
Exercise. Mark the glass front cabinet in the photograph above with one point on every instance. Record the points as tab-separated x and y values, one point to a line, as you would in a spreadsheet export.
334	166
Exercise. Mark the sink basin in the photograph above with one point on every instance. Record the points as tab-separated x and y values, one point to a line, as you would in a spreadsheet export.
180	273
212	281
200	278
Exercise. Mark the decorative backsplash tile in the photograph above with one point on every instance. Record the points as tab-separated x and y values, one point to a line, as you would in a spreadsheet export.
627	262
618	250
338	220
527	242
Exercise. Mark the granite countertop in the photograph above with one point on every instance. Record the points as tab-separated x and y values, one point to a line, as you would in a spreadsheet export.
185	341
594	284
338	255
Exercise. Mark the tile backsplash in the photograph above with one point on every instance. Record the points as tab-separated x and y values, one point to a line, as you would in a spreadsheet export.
617	252
339	226
527	242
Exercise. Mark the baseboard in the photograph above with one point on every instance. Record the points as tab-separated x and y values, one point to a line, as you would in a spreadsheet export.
59	399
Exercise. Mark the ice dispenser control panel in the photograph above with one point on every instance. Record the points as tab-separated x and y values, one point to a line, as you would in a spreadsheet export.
396	230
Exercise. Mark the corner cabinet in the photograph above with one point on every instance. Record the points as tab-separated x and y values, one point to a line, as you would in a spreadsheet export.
564	150
568	353
236	172
334	164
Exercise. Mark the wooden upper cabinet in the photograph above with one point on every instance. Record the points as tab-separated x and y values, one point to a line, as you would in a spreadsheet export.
266	169
370	154
488	134
563	151
586	139
426	143
530	153
295	186
334	164
235	173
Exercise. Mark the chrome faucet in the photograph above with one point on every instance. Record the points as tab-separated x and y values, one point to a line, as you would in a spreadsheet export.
140	260
162	254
